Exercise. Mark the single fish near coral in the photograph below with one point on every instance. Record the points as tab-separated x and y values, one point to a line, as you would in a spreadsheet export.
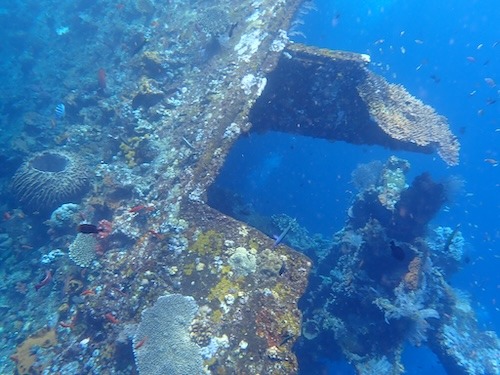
111	318
47	279
281	236
60	110
88	229
140	343
141	208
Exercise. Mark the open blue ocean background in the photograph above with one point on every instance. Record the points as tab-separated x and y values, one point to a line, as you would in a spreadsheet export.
446	53
441	52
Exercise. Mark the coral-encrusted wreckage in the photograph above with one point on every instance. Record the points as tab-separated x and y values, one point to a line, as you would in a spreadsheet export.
174	86
382	283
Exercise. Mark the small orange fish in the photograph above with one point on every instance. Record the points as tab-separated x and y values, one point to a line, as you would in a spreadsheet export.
47	279
111	318
156	235
66	325
141	208
137	208
71	323
140	343
88	292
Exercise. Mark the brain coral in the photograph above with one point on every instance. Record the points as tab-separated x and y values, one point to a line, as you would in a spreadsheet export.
49	179
162	342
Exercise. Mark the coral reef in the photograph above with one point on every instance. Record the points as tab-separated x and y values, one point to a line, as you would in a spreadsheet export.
404	211
378	287
168	94
356	106
162	344
50	178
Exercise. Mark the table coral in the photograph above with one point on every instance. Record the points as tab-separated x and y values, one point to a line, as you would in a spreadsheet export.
83	249
407	119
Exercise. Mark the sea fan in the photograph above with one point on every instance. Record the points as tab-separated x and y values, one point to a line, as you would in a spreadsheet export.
409	305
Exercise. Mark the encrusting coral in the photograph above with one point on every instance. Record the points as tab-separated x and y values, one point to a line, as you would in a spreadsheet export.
412	278
25	357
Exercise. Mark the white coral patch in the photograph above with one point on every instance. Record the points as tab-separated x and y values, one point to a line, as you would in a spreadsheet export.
249	44
249	81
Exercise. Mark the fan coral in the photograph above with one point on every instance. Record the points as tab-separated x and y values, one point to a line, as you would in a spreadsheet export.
50	178
409	305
